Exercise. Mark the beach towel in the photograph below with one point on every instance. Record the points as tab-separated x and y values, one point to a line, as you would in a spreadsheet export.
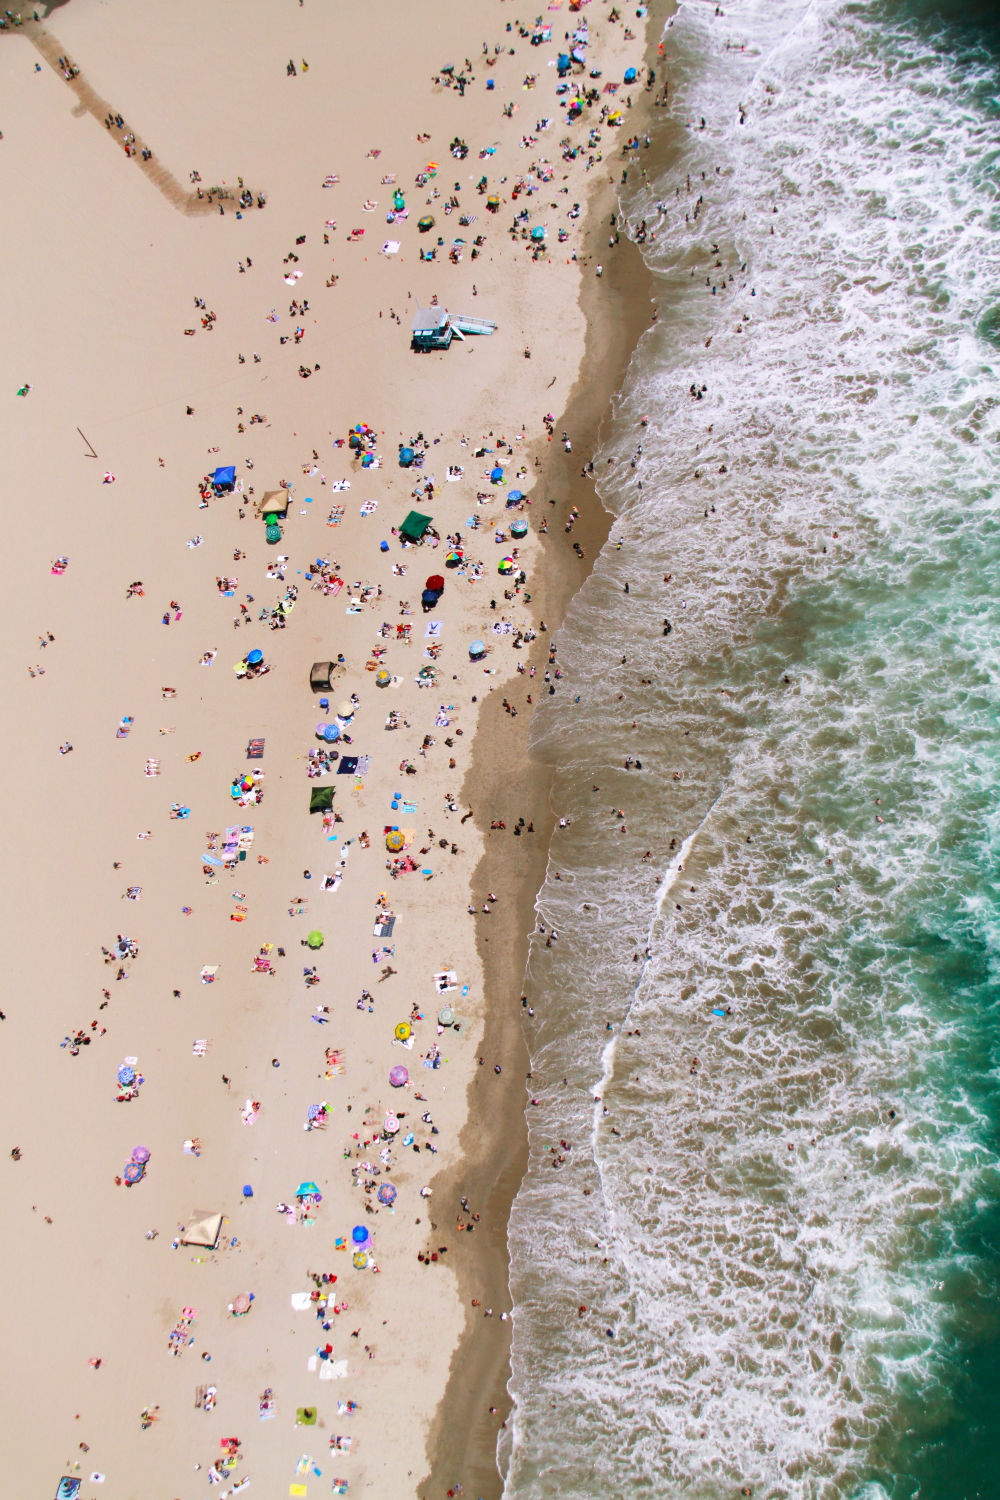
348	765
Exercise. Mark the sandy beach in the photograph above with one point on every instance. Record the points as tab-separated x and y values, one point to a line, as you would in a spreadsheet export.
168	873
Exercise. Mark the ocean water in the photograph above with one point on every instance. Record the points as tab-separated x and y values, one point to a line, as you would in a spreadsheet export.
773	1044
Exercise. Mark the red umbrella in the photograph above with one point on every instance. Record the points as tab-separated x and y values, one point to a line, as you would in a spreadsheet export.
435	582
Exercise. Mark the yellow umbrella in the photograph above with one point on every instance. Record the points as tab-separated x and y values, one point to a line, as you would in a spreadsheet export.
394	842
403	1031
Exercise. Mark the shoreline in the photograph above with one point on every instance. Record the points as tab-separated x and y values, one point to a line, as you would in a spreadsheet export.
494	1149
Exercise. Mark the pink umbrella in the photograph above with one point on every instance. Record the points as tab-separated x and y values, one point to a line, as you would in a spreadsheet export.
398	1077
141	1154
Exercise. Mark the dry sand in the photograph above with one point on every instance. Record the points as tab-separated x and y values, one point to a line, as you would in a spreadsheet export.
103	263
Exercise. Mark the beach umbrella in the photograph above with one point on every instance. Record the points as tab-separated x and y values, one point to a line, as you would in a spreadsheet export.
519	528
630	75
538	233
254	657
403	1031
391	1125
446	1016
241	1303
126	1075
429	597
505	565
454	558
493	203
141	1154
272	533
359	1260
515	496
394	841
387	1193
247	1190
477	650
426	223
382	678
359	1235
496	474
398	1076
345	710
307	1190
315	939
331	733
406	457
133	1173
435	582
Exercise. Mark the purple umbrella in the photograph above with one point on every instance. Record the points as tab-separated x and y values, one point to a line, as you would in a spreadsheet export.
133	1173
398	1077
141	1154
386	1193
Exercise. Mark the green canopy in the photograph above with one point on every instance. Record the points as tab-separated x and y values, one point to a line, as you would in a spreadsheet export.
414	526
321	799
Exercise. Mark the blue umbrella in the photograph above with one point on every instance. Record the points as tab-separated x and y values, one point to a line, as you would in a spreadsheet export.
515	496
496	474
126	1075
331	733
477	649
406	457
359	1234
254	656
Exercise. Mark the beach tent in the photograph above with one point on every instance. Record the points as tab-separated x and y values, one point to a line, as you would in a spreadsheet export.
321	799
204	1230
414	526
320	675
224	478
274	503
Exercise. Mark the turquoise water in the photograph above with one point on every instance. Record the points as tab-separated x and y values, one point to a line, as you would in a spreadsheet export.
773	1044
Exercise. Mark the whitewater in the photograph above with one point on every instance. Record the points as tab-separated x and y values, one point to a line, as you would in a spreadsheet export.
767	1030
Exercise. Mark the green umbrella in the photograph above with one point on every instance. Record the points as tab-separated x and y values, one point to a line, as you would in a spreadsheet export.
315	940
